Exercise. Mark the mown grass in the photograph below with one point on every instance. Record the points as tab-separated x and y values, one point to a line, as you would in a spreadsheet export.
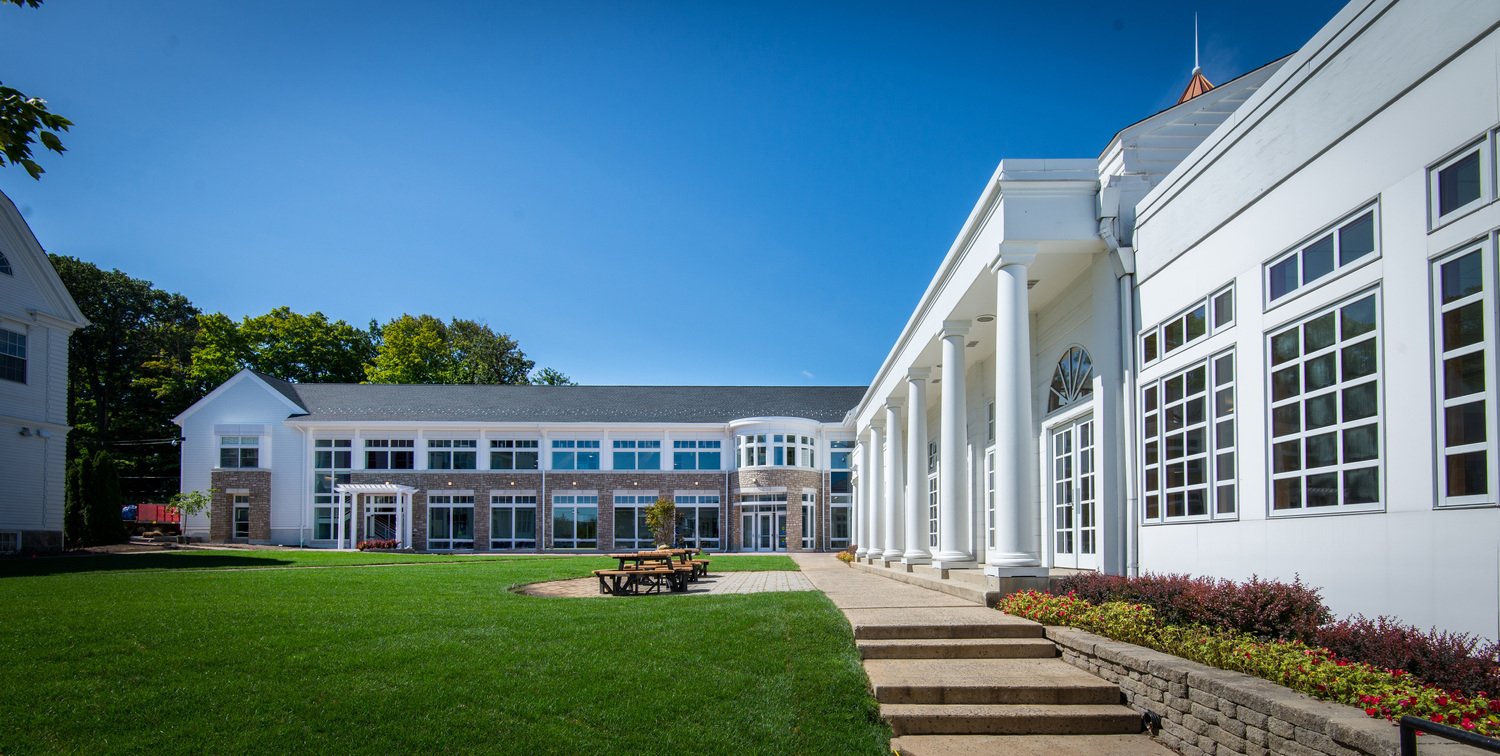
439	656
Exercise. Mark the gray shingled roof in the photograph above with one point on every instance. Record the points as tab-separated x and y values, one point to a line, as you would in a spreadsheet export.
567	404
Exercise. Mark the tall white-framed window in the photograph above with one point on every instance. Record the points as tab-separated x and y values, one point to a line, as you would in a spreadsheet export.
989	422
241	504
390	454
698	520
989	495
514	453
1463	285
513	521
932	494
1460	182
12	356
838	520
1351	241
809	521
1188	443
575	454
239	452
452	454
630	521
697	455
637	454
575	521
1325	414
450	522
776	449
333	462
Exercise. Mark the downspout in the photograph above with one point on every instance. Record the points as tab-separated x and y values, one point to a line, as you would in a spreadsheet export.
1123	257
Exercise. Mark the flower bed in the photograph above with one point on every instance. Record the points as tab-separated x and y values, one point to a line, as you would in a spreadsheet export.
1316	671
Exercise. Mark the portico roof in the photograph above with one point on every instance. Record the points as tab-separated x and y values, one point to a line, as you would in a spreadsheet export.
373	488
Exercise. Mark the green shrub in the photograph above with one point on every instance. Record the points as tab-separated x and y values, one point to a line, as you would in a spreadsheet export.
1318	672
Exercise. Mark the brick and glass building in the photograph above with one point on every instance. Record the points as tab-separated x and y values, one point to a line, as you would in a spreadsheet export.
520	468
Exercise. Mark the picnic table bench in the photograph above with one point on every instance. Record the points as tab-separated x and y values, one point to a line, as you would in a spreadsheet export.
650	571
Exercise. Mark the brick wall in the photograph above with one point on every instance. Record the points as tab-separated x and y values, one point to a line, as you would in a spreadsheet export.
1212	711
221	507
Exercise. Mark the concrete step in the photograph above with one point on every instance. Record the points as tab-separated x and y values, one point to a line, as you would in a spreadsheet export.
939	622
1010	719
958	648
1138	744
986	681
971	586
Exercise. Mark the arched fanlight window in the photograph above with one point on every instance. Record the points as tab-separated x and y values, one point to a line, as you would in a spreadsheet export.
5	265
1072	380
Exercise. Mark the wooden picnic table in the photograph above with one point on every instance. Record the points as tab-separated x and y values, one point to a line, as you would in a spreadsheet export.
640	558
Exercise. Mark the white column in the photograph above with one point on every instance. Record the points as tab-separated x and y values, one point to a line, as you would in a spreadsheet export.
338	525
861	503
953	469
877	493
1015	553
916	468
895	488
406	524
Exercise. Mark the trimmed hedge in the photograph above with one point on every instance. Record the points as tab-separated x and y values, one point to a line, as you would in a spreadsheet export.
1382	693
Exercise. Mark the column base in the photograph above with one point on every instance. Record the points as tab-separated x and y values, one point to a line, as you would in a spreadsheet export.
954	564
916	558
1003	571
891	555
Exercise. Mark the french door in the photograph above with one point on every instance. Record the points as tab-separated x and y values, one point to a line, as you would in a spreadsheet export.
1075	498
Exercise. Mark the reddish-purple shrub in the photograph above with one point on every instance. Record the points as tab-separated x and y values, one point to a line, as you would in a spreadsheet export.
1265	608
1454	661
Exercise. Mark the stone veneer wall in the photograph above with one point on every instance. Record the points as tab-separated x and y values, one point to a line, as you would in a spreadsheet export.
1213	711
793	480
221	506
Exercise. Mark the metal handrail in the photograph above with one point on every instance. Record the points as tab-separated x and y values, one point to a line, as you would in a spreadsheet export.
1410	725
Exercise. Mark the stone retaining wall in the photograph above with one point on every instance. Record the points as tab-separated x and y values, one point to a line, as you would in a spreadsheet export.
1213	711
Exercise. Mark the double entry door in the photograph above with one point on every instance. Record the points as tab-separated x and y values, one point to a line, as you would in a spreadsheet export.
763	525
1074	495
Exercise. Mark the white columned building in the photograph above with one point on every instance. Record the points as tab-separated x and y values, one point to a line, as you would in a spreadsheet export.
895	489
915	506
954	544
861	497
1015	551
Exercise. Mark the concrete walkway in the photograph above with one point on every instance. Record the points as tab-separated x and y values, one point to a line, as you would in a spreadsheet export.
955	677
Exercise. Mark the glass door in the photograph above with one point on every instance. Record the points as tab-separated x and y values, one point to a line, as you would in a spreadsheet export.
1075	505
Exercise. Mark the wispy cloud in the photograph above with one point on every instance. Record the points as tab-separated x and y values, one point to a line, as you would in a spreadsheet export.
808	374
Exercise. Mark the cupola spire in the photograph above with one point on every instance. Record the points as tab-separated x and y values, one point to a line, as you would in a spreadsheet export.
1199	83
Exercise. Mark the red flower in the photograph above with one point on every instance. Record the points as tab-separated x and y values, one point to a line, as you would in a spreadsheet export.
1468	724
1371	711
1442	700
1437	718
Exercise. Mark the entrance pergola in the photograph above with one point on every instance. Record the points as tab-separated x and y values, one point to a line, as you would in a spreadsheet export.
346	500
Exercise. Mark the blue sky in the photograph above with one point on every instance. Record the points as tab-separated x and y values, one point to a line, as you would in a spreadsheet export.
643	192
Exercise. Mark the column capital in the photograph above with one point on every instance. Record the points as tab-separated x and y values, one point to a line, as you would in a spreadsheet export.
894	404
955	328
1014	253
918	374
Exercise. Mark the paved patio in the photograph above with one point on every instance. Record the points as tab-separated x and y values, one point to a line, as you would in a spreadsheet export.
719	584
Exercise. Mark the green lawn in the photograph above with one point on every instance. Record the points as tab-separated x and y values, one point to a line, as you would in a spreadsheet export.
263	651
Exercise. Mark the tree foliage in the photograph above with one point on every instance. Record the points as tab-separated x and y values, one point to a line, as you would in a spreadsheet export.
289	345
661	519
123	368
25	120
93	500
424	349
552	377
